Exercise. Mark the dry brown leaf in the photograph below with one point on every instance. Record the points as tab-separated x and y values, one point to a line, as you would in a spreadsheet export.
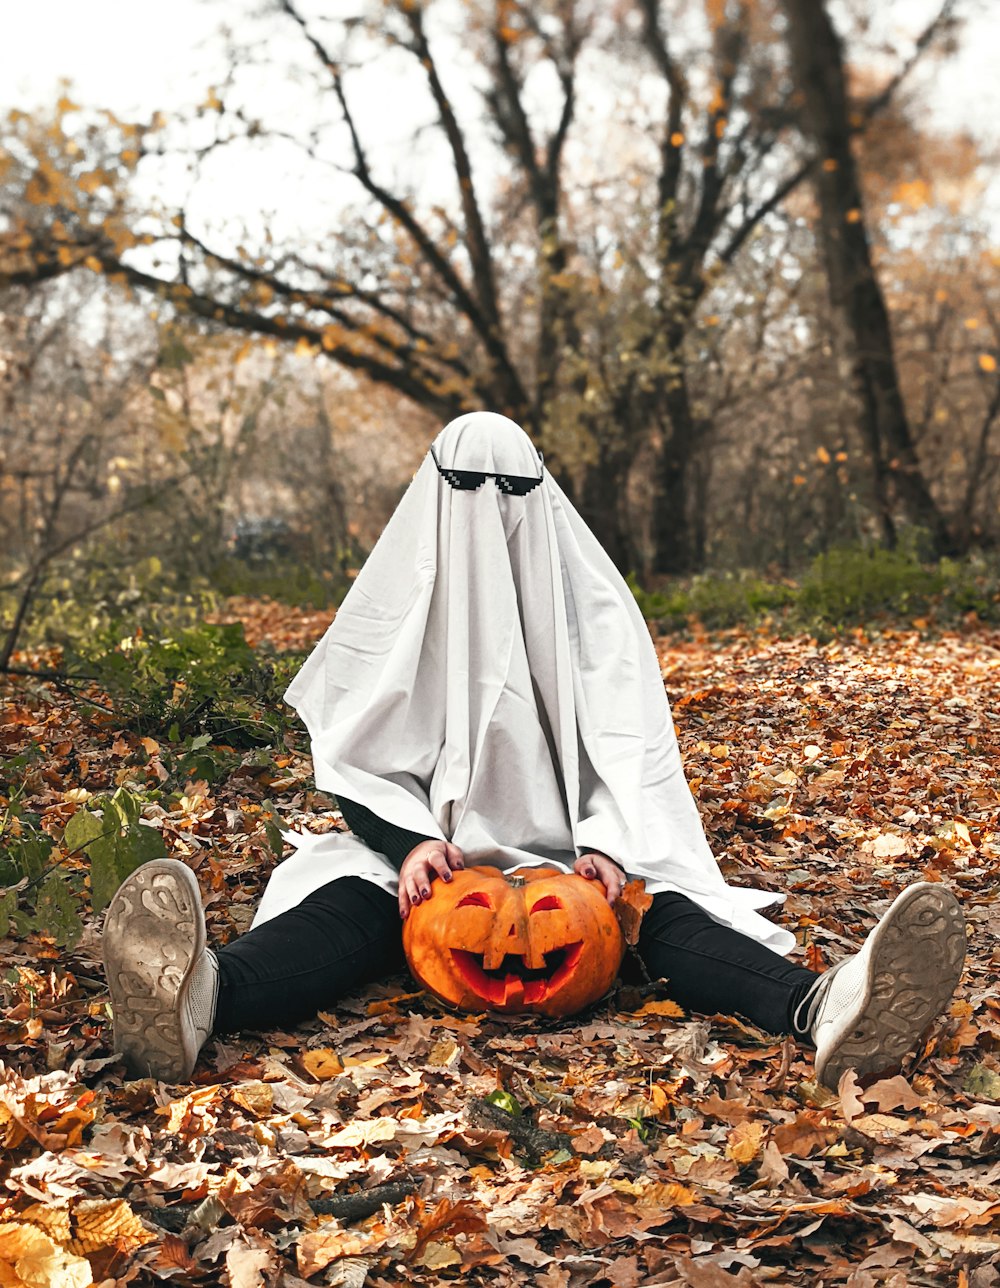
448	1218
807	1133
892	1093
247	1266
630	908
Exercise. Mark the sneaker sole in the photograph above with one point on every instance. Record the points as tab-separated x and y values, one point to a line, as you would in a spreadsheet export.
914	966
154	932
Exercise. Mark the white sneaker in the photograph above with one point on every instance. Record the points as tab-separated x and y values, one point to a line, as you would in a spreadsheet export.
867	1011
163	980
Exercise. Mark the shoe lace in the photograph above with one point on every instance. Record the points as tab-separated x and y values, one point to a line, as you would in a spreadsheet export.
811	1005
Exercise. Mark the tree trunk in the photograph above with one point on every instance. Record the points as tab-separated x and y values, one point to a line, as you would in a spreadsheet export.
600	506
675	553
818	68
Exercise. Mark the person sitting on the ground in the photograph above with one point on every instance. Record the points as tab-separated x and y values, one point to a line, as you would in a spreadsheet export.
489	693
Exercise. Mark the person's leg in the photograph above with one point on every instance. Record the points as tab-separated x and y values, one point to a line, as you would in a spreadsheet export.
716	970
865	1013
169	992
341	937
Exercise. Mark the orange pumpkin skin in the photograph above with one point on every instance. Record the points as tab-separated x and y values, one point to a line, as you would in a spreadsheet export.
541	940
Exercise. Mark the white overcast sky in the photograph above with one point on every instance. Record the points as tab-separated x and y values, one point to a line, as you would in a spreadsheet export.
136	56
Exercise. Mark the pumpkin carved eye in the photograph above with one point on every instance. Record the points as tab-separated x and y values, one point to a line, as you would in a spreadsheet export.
547	903
477	899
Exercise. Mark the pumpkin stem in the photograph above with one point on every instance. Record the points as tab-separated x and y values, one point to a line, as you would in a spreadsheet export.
516	882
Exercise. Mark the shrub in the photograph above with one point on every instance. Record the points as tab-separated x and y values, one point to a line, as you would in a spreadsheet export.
204	680
844	586
44	884
848	584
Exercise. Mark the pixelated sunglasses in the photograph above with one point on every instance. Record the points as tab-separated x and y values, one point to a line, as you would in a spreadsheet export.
469	480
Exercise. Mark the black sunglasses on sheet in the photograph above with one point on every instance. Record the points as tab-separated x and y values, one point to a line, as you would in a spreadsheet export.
469	480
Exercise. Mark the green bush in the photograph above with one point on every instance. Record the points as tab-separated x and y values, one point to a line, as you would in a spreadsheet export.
44	885
716	601
288	581
848	584
844	586
84	606
204	680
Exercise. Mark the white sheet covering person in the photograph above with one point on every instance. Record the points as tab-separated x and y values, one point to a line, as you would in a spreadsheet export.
529	705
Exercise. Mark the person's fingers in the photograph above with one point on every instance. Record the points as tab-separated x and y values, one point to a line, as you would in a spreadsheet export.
603	869
404	901
456	859
612	878
437	862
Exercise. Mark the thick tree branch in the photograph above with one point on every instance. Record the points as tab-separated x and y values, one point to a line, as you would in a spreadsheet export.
476	240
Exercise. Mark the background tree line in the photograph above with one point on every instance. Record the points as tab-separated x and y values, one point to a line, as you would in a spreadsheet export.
710	257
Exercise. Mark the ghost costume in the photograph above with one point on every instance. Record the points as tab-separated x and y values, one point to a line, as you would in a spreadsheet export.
490	680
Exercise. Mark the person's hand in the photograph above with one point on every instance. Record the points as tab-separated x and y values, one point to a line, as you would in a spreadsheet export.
596	866
424	862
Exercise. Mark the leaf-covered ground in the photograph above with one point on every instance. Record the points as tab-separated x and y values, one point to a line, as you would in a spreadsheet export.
361	1149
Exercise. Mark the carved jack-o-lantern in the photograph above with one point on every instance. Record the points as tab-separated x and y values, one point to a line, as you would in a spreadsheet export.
542	940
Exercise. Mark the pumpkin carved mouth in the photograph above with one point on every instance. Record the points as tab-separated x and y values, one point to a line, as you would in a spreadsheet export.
514	982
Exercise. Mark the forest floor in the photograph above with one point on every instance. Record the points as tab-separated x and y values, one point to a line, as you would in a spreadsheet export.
651	1148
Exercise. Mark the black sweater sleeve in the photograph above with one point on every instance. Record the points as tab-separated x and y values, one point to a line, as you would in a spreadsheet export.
388	839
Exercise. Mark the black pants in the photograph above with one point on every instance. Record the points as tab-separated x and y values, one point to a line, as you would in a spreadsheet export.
348	934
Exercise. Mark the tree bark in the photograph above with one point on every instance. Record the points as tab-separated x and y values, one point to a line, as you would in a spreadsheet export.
818	69
672	528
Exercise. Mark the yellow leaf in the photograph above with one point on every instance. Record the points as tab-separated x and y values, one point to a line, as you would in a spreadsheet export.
437	1256
744	1142
30	1259
853	216
387	1004
444	1053
322	1063
823	455
987	362
676	139
664	1007
799	480
366	1062
256	1098
103	1223
971	324
913	193
93	263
